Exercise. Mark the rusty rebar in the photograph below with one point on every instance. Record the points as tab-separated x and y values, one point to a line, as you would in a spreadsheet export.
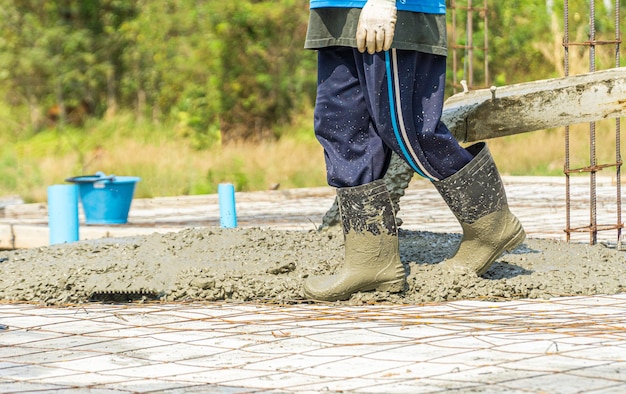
593	166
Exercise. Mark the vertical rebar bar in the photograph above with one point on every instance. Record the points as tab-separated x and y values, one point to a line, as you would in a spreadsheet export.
567	130
453	46
461	37
469	59
618	154
593	219
486	41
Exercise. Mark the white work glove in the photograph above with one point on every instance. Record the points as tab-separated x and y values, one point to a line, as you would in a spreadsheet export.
377	24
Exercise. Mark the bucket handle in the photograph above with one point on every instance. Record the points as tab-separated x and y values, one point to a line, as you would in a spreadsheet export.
98	177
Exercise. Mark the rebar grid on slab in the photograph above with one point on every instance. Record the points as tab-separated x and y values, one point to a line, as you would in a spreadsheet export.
560	345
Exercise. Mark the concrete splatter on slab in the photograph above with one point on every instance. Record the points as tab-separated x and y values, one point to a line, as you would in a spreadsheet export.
269	265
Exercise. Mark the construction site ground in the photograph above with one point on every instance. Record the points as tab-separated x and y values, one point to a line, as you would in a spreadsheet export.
569	343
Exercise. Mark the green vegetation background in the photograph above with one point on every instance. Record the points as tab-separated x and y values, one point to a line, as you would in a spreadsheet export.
189	93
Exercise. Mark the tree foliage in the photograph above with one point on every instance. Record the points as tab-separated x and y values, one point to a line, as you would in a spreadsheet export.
220	70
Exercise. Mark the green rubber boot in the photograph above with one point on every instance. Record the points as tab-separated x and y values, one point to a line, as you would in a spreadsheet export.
476	196
372	257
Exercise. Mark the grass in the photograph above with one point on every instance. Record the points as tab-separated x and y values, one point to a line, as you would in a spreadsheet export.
169	165
166	163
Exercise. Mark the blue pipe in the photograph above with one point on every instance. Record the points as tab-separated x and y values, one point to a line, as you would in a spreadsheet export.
228	213
63	213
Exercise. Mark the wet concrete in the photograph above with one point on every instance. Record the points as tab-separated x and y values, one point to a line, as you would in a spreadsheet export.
270	265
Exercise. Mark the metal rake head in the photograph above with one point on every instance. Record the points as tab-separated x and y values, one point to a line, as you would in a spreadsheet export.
123	296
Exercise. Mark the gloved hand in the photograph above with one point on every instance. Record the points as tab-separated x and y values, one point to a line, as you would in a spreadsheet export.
377	24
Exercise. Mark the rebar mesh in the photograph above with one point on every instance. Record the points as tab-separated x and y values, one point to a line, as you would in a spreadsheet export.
565	345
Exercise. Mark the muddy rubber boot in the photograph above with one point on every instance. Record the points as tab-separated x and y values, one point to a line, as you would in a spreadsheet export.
476	196
372	257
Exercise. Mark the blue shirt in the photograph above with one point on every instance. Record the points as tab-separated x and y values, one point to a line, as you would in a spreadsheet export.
424	6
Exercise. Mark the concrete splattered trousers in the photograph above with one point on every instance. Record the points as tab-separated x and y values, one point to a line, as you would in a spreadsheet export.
369	106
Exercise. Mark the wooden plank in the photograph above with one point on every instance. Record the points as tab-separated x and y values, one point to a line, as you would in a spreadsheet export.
22	236
6	236
28	236
9	200
538	105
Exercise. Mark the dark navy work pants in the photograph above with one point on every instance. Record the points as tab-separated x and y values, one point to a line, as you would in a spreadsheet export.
370	105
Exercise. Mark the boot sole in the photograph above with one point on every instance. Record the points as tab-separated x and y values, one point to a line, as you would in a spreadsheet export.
392	286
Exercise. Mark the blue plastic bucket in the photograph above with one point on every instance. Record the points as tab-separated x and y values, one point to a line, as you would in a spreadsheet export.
105	199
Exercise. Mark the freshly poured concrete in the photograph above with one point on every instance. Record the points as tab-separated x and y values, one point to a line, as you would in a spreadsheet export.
267	263
211	264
